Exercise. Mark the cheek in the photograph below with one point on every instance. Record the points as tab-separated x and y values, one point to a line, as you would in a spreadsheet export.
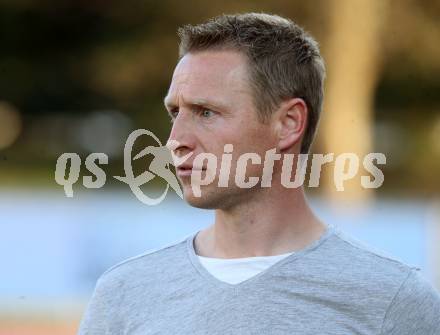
246	136
258	140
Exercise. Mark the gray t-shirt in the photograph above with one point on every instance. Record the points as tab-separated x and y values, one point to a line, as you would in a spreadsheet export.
334	286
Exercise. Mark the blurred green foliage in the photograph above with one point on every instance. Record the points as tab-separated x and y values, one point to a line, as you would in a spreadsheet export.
60	62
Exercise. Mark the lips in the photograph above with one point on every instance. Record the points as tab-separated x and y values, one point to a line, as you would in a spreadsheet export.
186	170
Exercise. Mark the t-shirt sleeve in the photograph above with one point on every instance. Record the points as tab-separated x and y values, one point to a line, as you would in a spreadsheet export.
94	320
414	310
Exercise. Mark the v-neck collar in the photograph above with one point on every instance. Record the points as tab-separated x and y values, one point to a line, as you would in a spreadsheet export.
218	283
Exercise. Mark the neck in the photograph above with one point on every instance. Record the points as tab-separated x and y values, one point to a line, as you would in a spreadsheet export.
279	223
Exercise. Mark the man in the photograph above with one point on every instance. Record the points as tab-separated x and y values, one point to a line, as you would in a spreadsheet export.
253	83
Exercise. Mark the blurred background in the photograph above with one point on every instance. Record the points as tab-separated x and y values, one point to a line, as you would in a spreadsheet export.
80	76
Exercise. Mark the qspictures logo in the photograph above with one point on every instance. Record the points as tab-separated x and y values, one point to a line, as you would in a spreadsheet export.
202	170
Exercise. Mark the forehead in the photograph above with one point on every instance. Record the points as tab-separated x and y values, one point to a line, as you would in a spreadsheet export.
209	75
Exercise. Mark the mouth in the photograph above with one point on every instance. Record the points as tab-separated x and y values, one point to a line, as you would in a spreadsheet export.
186	171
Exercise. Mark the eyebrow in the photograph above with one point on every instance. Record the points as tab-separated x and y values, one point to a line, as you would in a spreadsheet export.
195	103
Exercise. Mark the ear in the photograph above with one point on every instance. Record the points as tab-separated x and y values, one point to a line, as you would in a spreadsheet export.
290	123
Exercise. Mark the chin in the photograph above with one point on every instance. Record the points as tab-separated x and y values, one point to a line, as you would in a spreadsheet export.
200	203
205	201
211	198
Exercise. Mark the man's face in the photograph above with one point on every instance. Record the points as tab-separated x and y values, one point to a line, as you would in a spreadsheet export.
211	105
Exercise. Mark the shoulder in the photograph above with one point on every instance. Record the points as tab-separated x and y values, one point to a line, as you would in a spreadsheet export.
148	263
362	257
414	309
128	280
350	264
404	301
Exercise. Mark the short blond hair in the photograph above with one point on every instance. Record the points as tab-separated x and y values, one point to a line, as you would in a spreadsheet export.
284	61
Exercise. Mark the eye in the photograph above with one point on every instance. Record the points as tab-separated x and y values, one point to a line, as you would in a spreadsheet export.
206	113
173	114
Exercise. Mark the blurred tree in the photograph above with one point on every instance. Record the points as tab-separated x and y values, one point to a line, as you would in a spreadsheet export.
354	59
60	62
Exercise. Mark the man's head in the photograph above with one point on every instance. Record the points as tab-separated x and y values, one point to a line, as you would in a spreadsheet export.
251	80
283	60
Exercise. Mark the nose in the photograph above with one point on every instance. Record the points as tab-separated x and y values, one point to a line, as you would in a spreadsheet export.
182	137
